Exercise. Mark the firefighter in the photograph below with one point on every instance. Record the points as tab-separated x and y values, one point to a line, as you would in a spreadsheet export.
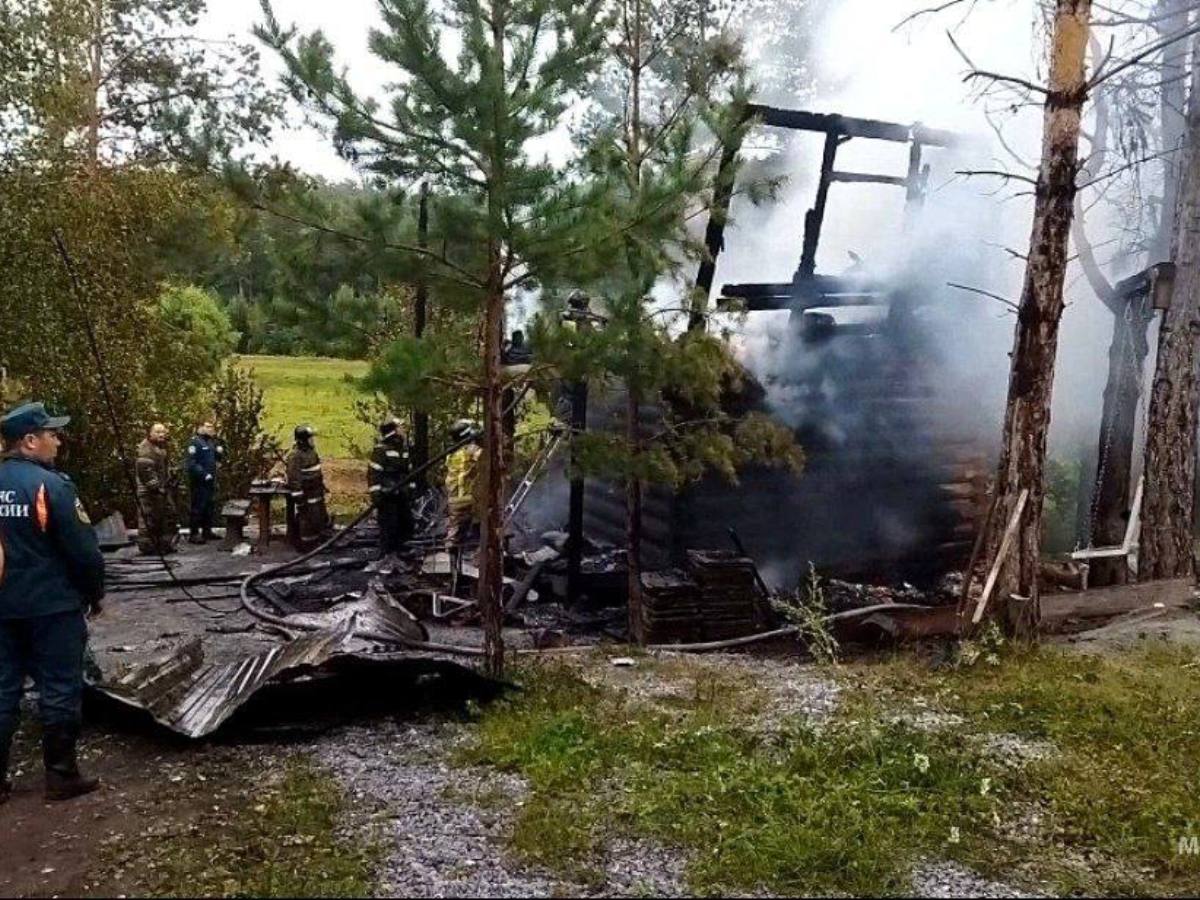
390	488
462	484
306	482
51	571
204	453
158	525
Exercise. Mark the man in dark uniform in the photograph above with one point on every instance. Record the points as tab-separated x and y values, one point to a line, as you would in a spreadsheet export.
389	486
158	527
306	482
51	571
203	454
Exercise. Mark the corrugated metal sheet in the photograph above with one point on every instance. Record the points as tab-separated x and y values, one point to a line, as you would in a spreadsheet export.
194	698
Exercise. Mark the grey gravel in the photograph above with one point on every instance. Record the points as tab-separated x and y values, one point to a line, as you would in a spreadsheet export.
944	879
791	691
1014	751
444	828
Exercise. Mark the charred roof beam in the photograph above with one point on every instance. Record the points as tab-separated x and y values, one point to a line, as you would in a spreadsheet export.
806	289
849	126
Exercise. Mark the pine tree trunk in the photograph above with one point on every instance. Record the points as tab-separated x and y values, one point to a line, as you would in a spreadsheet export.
633	423
1027	417
633	519
1172	19
1167	527
491	563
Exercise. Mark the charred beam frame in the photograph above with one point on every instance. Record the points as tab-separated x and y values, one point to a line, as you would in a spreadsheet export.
837	129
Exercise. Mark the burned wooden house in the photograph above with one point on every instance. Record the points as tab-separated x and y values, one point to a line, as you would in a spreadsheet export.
893	486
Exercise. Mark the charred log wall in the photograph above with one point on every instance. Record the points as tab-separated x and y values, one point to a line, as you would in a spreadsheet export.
893	487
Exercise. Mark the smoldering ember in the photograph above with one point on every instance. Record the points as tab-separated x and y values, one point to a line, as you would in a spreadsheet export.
599	448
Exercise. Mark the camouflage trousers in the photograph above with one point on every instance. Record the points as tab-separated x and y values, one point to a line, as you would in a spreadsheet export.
158	524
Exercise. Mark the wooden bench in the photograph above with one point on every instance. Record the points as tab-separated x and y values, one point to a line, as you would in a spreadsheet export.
235	513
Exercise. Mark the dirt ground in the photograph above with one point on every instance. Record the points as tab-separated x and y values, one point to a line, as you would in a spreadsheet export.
73	848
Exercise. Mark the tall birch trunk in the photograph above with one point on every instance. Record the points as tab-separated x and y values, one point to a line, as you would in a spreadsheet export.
1027	417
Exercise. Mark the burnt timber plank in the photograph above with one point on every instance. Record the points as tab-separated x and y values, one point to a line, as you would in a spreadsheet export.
1117	600
849	126
867	178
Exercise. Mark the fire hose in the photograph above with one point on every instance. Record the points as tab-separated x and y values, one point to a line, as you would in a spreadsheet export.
290	625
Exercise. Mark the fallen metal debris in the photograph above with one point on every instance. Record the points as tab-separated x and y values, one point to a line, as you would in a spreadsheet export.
194	698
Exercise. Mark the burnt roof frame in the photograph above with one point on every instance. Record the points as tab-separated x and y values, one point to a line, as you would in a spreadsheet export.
808	289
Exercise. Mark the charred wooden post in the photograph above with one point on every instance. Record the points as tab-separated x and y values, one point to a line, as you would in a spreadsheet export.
580	316
916	183
579	401
1113	484
714	233
815	217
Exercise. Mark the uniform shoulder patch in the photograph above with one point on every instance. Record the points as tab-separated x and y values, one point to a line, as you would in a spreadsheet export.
81	513
192	450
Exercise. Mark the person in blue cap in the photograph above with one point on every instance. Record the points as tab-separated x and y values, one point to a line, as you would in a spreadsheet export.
203	454
51	574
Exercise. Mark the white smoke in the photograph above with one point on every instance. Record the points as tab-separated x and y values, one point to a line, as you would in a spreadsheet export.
972	228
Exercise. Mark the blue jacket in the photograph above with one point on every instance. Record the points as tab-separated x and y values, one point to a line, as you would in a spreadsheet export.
50	561
203	454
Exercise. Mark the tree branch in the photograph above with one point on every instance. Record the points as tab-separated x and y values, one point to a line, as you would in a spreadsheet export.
1100	78
464	277
974	290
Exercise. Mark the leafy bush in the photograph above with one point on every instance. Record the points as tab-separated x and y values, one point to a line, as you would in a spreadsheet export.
237	410
198	329
115	224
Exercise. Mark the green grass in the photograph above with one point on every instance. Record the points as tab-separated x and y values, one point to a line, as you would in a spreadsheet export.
1122	786
852	807
312	390
283	841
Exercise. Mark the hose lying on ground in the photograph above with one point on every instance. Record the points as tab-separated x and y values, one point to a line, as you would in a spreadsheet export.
459	650
292	625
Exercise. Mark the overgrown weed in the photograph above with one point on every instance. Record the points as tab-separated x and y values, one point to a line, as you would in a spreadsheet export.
807	609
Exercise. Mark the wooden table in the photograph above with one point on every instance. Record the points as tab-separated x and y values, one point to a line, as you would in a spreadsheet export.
262	493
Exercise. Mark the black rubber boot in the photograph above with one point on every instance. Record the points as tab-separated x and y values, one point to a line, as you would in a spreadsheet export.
63	779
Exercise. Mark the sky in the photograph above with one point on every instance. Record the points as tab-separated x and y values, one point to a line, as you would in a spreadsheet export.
864	66
346	24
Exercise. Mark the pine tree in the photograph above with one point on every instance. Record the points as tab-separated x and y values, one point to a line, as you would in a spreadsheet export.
466	124
1021	479
669	100
125	80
